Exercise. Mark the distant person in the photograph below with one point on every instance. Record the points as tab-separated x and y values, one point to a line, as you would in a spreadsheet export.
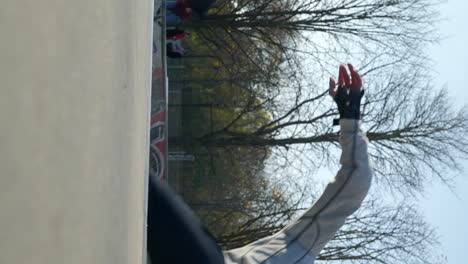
177	33
177	11
175	49
176	235
174	42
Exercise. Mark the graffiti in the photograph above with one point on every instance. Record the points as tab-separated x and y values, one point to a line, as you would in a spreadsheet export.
158	149
158	138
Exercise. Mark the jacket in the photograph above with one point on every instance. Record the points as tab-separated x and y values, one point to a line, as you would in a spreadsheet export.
303	239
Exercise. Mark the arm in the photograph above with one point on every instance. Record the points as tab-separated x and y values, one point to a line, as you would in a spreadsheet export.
342	196
345	193
302	240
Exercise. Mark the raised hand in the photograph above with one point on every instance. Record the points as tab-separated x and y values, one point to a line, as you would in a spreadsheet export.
349	93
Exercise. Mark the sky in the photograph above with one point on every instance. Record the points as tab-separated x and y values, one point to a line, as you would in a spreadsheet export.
447	212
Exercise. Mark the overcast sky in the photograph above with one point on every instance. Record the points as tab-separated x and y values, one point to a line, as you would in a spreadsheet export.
445	211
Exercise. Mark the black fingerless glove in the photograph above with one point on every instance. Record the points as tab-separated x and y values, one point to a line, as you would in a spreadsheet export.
349	104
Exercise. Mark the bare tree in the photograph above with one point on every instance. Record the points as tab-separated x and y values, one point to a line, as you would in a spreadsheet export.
384	234
319	31
414	131
273	56
239	197
377	233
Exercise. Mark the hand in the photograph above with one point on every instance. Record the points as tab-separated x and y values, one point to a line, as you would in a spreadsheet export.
348	95
344	81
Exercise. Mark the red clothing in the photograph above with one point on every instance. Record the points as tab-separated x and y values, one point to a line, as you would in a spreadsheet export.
180	7
178	36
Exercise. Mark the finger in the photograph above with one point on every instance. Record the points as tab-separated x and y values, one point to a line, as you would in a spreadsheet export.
331	87
356	83
343	77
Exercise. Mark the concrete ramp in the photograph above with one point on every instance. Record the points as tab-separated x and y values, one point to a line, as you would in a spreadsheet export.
74	117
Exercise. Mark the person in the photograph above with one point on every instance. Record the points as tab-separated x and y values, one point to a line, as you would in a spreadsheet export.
178	11
175	235
175	49
174	43
176	33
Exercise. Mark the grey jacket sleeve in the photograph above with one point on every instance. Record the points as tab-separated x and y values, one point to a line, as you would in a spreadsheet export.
302	240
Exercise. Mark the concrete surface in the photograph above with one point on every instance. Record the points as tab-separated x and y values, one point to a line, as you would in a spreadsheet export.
74	116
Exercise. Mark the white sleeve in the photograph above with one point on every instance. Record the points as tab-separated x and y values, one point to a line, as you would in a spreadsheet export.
303	239
342	196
